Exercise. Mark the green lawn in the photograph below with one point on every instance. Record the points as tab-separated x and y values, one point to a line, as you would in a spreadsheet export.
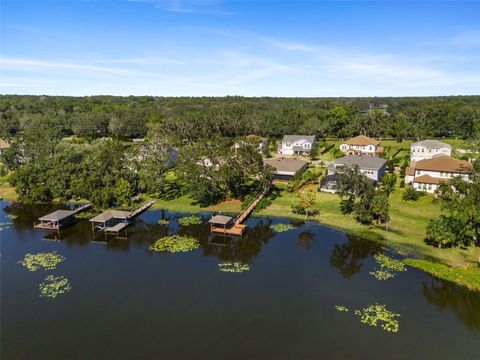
405	231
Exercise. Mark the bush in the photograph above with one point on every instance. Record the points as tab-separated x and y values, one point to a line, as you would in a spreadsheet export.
410	194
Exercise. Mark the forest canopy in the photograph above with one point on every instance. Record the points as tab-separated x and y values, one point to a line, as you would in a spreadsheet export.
185	120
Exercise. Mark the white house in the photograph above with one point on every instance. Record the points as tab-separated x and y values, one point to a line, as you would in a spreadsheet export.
371	166
296	145
428	149
361	145
260	141
427	175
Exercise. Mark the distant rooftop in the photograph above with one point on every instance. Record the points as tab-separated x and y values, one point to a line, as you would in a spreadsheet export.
293	138
362	140
362	161
432	144
286	164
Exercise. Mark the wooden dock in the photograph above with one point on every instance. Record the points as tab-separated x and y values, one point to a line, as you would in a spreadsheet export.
59	219
113	222
226	225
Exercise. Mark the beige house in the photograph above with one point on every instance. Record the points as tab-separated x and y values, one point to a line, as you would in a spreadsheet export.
4	145
361	145
427	175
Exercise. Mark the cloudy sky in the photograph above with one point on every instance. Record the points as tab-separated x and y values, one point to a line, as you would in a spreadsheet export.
250	48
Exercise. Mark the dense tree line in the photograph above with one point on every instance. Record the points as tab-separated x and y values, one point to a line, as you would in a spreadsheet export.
185	120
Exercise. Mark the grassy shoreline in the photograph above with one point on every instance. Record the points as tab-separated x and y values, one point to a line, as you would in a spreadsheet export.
404	233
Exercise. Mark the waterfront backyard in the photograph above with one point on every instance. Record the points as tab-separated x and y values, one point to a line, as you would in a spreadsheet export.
293	282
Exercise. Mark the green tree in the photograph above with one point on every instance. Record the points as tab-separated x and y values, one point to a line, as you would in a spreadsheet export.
388	183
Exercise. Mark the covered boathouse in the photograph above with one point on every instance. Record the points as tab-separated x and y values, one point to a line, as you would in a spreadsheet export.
112	221
59	219
56	220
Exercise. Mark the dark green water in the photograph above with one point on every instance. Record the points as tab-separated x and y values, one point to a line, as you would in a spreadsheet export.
129	303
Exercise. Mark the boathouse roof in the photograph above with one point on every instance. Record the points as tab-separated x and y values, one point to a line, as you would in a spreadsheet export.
111	214
220	219
57	215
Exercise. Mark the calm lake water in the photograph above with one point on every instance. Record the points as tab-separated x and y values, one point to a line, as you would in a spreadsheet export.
129	303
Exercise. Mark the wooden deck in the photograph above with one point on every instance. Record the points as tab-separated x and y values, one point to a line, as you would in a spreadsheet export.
238	229
235	230
116	228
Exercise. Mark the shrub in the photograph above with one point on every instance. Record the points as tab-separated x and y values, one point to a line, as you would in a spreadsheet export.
410	194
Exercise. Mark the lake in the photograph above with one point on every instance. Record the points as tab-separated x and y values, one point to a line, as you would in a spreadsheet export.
127	302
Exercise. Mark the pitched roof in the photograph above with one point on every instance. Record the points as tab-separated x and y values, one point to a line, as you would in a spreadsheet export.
427	179
286	164
57	215
293	138
432	144
444	163
4	144
362	140
220	219
410	170
111	214
362	161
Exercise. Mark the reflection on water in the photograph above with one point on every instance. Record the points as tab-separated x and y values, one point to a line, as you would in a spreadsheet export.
348	257
306	239
275	310
464	303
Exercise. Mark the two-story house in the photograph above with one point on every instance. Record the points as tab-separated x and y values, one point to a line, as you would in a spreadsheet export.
426	175
296	145
428	149
361	145
372	167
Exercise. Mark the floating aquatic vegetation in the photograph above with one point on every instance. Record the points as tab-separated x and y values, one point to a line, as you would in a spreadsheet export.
54	286
388	267
175	243
281	227
47	261
163	222
382	275
5	225
341	308
376	314
190	220
234	267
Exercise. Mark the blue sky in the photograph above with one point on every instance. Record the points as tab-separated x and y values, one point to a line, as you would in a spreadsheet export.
249	48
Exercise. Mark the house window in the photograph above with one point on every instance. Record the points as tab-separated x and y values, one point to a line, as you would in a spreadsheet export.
417	173
307	146
423	150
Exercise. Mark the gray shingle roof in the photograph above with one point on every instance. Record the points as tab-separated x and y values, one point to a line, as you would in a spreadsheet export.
431	144
57	215
286	164
293	138
362	161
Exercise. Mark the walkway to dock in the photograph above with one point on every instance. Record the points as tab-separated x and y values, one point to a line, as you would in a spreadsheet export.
59	218
114	221
227	225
